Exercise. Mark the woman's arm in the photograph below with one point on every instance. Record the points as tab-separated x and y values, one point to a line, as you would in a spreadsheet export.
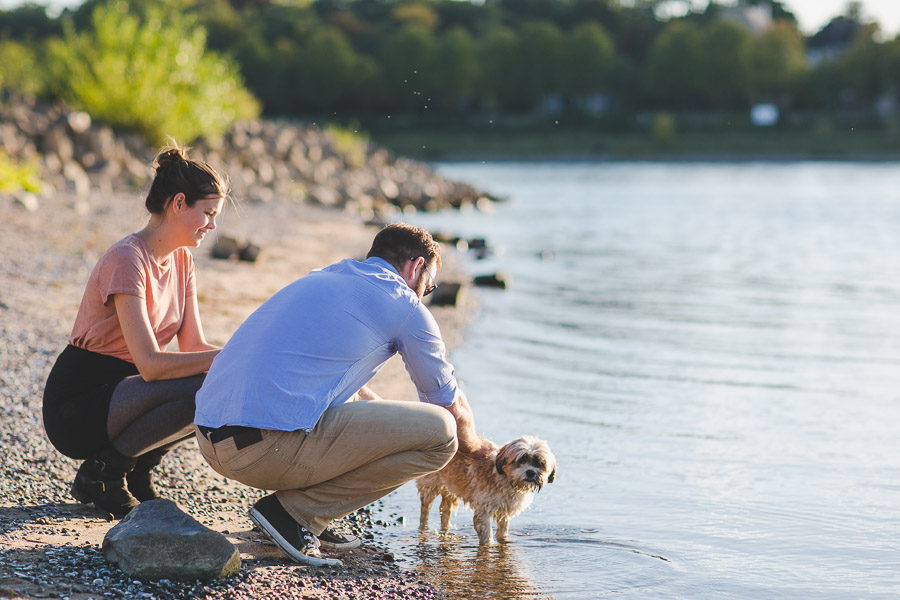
151	362
190	336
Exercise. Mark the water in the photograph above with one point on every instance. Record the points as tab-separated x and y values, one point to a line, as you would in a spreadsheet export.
713	353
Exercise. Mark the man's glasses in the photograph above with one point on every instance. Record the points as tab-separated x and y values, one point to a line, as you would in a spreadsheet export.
431	287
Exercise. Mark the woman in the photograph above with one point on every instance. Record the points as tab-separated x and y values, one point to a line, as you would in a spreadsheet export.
115	397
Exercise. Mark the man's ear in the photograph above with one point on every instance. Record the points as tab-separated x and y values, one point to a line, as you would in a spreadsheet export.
409	272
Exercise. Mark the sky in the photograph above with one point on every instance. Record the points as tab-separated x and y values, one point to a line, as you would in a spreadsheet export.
811	14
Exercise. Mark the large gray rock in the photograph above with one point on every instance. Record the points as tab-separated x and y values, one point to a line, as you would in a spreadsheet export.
156	540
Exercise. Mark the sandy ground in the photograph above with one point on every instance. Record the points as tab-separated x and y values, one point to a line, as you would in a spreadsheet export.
45	259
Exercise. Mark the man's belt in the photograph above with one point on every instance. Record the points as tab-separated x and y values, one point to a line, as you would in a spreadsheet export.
243	436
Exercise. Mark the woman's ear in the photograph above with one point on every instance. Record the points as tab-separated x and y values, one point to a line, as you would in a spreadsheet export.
179	202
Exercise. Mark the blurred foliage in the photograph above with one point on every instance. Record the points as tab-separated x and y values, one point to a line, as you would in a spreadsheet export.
19	69
15	176
178	66
350	143
663	127
148	71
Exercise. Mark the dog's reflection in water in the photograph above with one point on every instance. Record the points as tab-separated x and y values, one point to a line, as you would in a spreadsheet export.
461	571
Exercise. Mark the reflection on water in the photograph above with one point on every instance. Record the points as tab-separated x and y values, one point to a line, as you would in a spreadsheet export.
459	571
713	353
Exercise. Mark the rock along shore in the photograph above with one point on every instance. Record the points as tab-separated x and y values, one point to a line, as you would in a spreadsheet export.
265	160
49	544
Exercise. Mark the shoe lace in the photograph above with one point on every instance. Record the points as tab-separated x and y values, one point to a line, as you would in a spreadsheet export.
312	542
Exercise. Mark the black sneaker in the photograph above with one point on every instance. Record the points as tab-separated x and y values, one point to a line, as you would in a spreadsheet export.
294	539
332	540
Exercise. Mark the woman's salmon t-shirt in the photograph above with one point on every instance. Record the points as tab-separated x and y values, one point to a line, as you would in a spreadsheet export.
127	267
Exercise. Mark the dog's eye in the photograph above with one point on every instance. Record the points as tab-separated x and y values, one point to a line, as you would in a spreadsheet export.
539	464
524	459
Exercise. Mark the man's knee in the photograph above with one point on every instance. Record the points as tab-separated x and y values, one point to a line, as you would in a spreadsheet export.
446	443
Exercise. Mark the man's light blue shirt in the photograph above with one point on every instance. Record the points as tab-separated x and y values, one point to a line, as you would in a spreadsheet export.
317	342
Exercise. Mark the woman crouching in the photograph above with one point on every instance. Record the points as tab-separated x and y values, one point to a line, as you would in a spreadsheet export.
115	397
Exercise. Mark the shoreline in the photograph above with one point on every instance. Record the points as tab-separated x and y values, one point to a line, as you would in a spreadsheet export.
662	158
47	540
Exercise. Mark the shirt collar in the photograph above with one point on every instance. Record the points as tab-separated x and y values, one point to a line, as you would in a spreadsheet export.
376	260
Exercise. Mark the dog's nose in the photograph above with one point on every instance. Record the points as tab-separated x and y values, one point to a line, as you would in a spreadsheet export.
529	474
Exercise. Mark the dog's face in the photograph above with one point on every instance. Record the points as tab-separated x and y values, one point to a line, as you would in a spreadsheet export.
527	463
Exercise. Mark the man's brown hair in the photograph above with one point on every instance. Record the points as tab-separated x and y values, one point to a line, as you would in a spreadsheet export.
401	242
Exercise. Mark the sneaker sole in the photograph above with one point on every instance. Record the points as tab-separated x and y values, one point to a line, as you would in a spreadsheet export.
272	533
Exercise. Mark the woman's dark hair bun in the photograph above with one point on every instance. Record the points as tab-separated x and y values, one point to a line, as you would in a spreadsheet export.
176	173
168	157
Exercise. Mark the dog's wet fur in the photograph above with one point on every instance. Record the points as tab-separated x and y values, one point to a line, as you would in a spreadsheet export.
497	487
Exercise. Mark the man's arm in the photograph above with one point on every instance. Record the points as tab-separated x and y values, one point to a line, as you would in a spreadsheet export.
470	443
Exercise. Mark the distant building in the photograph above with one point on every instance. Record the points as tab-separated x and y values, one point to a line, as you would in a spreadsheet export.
832	41
757	18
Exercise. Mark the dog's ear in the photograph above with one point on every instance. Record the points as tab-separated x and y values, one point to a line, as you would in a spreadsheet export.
552	476
503	455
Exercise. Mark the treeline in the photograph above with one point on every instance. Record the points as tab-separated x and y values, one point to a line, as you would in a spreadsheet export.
414	57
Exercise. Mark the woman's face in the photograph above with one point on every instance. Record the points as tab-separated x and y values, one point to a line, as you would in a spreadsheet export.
200	219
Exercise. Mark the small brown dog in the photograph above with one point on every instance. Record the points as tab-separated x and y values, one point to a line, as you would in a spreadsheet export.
499	486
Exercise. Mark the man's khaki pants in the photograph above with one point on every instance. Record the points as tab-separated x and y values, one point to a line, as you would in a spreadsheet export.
357	453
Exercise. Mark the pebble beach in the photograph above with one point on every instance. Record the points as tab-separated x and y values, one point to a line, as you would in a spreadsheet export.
49	543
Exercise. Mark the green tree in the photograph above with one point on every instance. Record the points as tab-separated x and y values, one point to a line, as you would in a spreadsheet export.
27	22
724	64
415	15
671	72
453	73
150	73
778	62
20	70
590	59
542	54
404	56
867	68
327	69
501	69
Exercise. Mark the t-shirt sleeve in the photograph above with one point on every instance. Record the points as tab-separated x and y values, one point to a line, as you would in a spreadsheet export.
121	271
425	356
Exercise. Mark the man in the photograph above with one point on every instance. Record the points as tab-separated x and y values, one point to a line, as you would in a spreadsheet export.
284	406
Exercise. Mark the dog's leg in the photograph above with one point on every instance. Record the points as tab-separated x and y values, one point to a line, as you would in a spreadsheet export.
449	502
502	528
427	494
482	523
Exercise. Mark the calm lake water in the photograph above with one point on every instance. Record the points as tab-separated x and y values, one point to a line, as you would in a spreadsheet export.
713	353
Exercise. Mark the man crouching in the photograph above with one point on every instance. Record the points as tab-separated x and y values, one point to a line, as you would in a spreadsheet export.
273	412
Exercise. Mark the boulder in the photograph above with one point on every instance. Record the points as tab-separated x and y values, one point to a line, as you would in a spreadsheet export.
446	294
225	248
156	540
494	280
249	253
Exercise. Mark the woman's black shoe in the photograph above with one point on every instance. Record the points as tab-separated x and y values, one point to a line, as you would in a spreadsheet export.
101	481
140	478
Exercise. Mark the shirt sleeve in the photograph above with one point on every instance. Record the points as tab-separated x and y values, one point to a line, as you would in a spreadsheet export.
121	271
420	344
